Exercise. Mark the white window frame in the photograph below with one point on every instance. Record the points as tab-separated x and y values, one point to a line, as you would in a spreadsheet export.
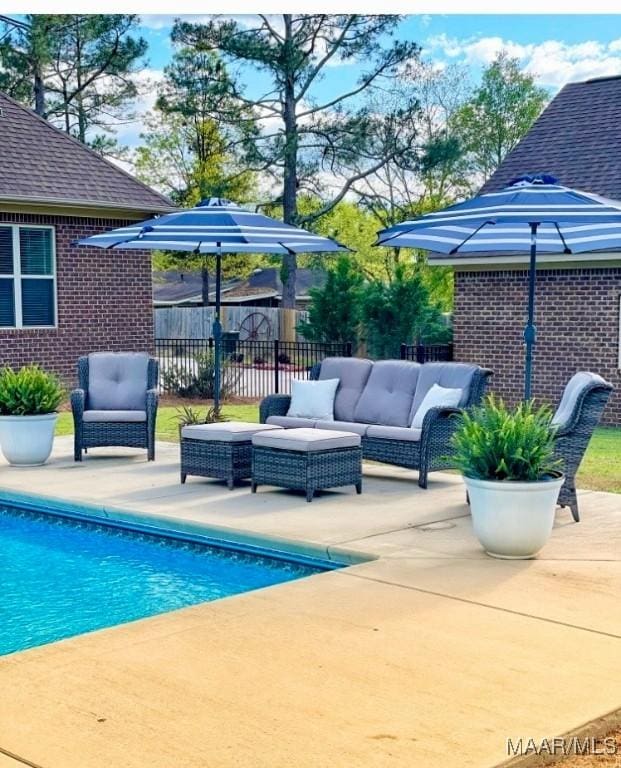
17	276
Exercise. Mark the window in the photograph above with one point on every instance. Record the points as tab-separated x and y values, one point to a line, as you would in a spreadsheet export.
27	277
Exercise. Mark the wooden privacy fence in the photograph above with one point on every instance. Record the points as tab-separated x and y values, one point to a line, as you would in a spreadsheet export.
252	323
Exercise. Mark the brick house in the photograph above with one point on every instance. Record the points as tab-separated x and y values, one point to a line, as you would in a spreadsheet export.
577	139
59	300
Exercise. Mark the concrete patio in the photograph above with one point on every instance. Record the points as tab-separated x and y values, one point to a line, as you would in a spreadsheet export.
427	654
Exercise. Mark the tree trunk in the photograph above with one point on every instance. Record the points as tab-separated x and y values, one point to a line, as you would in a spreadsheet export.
79	95
205	284
39	92
290	192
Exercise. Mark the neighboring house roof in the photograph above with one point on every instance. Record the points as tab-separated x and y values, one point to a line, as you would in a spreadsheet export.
41	164
576	139
266	283
174	287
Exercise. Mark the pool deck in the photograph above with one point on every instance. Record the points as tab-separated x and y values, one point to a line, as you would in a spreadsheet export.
431	654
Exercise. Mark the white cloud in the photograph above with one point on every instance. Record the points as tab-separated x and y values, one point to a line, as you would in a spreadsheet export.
147	81
552	62
166	20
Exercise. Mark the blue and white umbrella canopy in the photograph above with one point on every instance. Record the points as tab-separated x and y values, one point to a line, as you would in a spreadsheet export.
215	226
534	213
569	221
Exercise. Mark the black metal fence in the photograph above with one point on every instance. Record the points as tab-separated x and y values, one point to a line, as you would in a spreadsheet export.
251	369
427	353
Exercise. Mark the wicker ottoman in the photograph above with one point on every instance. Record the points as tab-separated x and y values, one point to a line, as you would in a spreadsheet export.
306	459
222	450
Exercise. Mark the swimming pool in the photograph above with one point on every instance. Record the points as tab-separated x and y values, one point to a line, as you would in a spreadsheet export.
65	575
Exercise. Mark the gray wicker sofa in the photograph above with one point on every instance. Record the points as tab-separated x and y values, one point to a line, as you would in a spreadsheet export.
377	400
116	402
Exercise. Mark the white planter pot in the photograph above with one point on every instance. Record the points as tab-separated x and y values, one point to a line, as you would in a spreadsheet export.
26	441
513	520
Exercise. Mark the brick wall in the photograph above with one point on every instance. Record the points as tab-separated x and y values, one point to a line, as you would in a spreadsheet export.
104	300
577	318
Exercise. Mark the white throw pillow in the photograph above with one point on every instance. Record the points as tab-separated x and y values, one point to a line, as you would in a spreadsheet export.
313	399
435	397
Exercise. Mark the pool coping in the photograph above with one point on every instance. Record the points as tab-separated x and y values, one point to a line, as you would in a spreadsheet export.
326	557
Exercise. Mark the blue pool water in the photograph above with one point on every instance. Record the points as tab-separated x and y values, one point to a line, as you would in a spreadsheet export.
61	577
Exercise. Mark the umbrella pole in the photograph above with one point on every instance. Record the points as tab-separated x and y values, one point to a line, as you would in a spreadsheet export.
217	333
530	331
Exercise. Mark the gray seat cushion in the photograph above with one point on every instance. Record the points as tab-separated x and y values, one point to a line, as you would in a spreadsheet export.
353	374
117	381
226	431
575	386
343	426
125	416
305	440
449	375
387	397
408	434
291	422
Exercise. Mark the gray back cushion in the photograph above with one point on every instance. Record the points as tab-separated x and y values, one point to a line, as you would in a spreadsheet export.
117	382
353	374
449	375
387	397
575	386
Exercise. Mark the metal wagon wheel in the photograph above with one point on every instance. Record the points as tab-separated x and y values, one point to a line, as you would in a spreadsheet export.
255	327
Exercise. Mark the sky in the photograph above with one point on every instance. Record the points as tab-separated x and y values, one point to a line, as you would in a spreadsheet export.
555	49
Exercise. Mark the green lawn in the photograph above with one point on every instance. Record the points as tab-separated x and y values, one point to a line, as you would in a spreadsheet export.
600	470
167	428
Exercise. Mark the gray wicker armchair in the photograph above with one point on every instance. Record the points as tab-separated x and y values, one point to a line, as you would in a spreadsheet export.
427	452
576	417
116	402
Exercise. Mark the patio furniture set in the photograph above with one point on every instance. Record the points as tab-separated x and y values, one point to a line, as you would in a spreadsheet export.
390	411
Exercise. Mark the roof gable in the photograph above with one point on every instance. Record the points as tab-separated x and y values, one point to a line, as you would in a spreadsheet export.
39	163
577	139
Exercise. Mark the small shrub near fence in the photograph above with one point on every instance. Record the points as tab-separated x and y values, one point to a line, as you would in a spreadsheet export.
250	369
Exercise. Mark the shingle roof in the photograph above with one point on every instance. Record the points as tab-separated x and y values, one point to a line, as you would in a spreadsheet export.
40	163
577	139
174	287
267	282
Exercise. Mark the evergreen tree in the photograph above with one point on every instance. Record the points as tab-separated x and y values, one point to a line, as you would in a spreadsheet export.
77	71
334	311
303	138
399	311
190	153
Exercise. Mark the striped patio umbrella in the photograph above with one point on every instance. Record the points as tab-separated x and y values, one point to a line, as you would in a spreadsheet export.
533	214
215	226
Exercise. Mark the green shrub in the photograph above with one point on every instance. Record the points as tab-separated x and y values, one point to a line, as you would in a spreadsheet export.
187	416
198	380
495	443
29	392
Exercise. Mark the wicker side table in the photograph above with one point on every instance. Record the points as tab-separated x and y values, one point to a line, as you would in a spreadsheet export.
222	450
306	459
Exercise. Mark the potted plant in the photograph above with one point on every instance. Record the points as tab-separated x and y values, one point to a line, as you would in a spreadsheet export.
28	402
512	476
